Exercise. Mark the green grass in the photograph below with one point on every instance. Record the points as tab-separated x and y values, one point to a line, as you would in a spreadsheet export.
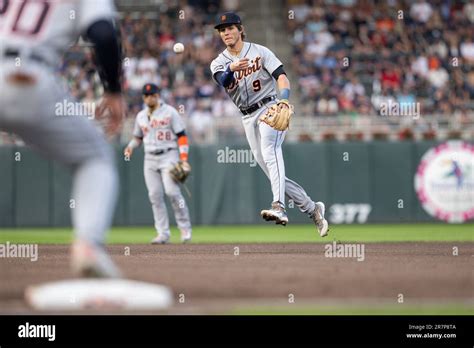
454	309
260	234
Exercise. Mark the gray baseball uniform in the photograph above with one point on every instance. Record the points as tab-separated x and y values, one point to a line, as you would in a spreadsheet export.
158	132
33	37
251	86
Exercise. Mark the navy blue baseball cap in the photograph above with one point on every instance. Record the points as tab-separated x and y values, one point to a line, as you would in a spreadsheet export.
150	88
228	18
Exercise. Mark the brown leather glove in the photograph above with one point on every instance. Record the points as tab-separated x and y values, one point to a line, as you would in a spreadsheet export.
180	171
278	115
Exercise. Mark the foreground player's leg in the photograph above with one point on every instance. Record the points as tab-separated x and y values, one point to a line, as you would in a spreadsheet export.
154	184
95	193
180	208
75	142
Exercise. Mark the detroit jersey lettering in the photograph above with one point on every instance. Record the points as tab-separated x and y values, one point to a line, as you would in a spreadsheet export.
254	83
159	130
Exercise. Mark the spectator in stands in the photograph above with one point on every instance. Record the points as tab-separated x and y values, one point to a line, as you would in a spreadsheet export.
421	11
200	121
403	59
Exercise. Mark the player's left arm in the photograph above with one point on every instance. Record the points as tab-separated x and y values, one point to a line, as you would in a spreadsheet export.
178	127
181	170
283	83
278	116
183	146
136	141
274	66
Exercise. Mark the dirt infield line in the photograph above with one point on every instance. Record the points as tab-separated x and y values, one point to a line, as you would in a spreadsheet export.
211	275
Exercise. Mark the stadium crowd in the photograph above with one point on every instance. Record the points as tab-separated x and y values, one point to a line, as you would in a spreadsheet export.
352	56
349	57
148	40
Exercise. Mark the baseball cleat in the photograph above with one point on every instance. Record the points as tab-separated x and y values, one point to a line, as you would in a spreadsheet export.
161	239
92	261
319	220
185	236
276	213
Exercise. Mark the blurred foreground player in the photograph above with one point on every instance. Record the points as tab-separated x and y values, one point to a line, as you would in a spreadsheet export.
33	37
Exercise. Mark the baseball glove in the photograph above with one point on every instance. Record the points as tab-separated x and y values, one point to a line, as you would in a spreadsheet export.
278	115
180	171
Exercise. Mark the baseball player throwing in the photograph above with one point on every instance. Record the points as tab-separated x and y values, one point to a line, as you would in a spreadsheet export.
33	37
250	74
161	129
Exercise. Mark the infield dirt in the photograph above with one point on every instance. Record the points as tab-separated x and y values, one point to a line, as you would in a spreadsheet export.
214	278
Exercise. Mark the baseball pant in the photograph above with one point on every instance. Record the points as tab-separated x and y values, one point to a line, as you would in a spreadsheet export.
30	112
159	182
265	143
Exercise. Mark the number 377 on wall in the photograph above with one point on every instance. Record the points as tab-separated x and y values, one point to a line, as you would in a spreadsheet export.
349	213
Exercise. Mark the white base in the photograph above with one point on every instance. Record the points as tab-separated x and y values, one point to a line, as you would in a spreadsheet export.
82	294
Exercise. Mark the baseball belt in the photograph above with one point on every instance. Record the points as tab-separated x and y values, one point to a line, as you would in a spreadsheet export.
258	105
160	152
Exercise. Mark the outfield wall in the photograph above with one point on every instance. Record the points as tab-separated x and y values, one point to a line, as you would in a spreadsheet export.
360	182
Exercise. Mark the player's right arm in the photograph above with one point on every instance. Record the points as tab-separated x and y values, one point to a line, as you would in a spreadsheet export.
132	145
223	75
136	140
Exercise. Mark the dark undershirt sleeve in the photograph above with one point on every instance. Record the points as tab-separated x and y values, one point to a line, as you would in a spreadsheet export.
108	55
278	71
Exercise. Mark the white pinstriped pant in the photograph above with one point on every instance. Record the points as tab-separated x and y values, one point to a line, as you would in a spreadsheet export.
265	143
159	182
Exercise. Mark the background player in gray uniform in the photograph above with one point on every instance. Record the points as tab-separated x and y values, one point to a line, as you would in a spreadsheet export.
250	74
33	37
161	129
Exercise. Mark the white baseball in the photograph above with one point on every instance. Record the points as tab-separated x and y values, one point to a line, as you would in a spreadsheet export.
178	47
